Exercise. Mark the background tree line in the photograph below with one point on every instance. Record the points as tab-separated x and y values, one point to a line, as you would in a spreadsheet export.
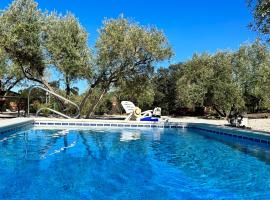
224	81
122	64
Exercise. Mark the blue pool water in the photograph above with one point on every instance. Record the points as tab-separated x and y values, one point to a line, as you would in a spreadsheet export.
130	164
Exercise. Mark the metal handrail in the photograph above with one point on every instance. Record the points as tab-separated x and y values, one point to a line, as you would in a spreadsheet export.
52	110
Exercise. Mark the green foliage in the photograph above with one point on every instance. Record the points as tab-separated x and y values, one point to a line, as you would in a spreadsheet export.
207	80
194	80
125	51
10	74
252	69
21	36
103	106
164	83
227	81
35	40
261	14
138	90
66	42
224	92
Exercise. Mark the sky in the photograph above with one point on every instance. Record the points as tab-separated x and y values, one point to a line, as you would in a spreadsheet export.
190	26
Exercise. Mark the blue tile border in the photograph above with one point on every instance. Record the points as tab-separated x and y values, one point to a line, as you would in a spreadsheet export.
253	139
107	125
222	131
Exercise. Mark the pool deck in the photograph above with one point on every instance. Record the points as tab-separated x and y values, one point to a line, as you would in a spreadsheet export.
255	124
11	122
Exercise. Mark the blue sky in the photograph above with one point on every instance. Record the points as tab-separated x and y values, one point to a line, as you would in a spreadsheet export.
191	26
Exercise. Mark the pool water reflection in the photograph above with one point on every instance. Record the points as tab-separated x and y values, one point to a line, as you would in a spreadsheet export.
130	164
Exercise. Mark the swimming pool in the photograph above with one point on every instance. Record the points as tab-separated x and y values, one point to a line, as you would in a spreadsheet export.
130	164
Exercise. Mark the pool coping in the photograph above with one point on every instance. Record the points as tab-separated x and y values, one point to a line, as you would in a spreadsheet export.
14	124
209	129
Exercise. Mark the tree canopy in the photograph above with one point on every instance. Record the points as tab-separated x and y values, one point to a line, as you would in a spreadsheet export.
21	28
164	83
252	69
261	13
124	51
67	45
226	80
10	74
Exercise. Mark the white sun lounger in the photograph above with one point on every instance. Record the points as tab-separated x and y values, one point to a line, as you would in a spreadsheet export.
129	107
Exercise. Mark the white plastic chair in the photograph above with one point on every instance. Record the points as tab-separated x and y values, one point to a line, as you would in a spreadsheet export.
129	107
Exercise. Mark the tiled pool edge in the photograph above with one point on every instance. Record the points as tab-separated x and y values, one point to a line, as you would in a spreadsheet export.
107	123
229	132
214	130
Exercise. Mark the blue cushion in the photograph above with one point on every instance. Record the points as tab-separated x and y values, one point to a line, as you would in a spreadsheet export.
149	119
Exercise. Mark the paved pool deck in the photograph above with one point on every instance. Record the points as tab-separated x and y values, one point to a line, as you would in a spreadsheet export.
10	122
254	124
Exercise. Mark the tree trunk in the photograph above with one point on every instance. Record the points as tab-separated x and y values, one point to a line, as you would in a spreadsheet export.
224	113
104	91
219	112
47	85
86	97
68	89
89	92
95	104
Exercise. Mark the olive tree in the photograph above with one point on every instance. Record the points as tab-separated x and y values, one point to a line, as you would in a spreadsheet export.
251	65
261	14
124	50
139	90
66	42
224	94
21	28
35	40
164	83
207	80
10	74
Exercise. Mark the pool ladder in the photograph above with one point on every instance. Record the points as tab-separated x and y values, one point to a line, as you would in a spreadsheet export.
50	109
